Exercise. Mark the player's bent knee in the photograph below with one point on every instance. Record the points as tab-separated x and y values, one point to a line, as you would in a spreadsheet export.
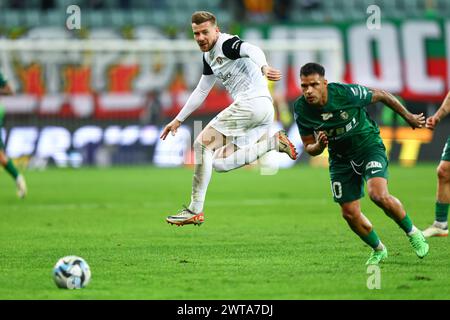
443	173
350	214
380	198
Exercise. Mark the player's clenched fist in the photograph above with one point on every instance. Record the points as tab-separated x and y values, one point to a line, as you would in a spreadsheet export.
322	139
432	122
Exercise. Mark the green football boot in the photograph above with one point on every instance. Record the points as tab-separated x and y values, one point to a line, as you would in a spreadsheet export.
377	256
419	244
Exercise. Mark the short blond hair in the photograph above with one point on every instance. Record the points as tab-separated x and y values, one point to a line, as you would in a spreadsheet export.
199	17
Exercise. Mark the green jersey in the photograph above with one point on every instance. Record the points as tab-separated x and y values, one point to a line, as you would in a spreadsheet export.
344	119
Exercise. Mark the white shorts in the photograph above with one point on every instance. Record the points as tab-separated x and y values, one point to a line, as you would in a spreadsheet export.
245	120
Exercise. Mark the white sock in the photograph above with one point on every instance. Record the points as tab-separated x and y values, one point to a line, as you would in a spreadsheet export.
413	230
245	155
202	176
441	225
380	247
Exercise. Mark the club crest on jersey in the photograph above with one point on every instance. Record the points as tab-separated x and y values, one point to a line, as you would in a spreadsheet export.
344	115
326	116
220	75
219	60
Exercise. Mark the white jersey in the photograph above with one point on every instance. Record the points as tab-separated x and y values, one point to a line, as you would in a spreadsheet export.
240	75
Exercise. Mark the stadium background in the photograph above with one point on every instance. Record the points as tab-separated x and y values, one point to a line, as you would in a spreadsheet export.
106	108
275	236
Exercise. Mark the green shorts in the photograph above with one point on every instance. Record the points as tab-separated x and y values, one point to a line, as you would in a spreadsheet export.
446	152
348	176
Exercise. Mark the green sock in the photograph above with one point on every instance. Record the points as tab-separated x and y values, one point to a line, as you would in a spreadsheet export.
2	115
11	169
441	212
371	239
406	224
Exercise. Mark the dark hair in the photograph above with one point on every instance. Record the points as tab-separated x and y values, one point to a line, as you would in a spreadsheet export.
199	17
312	68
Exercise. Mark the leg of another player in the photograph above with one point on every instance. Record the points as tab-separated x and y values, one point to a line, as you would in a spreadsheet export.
443	192
440	225
379	194
8	165
14	173
351	212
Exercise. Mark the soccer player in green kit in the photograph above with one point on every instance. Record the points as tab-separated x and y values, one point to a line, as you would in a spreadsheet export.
5	89
333	115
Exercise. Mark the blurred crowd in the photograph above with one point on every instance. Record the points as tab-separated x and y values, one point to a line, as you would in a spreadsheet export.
250	11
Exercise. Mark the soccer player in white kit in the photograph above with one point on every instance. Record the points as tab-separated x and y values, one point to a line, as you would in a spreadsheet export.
239	134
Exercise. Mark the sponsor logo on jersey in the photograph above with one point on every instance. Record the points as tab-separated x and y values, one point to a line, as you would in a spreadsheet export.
374	164
344	115
326	116
219	60
334	133
224	77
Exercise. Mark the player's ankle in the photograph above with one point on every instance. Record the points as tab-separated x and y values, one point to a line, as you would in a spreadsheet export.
413	231
196	207
440	224
380	247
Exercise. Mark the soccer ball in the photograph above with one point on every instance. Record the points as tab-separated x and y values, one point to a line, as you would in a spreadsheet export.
71	272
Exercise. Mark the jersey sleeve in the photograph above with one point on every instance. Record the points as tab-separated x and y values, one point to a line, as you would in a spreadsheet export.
206	68
302	128
358	95
231	48
254	53
3	81
197	96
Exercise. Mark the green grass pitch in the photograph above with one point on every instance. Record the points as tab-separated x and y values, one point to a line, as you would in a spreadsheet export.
265	237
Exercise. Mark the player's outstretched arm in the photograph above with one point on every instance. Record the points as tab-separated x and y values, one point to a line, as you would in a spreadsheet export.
414	120
171	127
195	100
315	145
441	113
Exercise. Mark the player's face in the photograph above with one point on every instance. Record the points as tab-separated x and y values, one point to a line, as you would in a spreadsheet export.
205	34
314	88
